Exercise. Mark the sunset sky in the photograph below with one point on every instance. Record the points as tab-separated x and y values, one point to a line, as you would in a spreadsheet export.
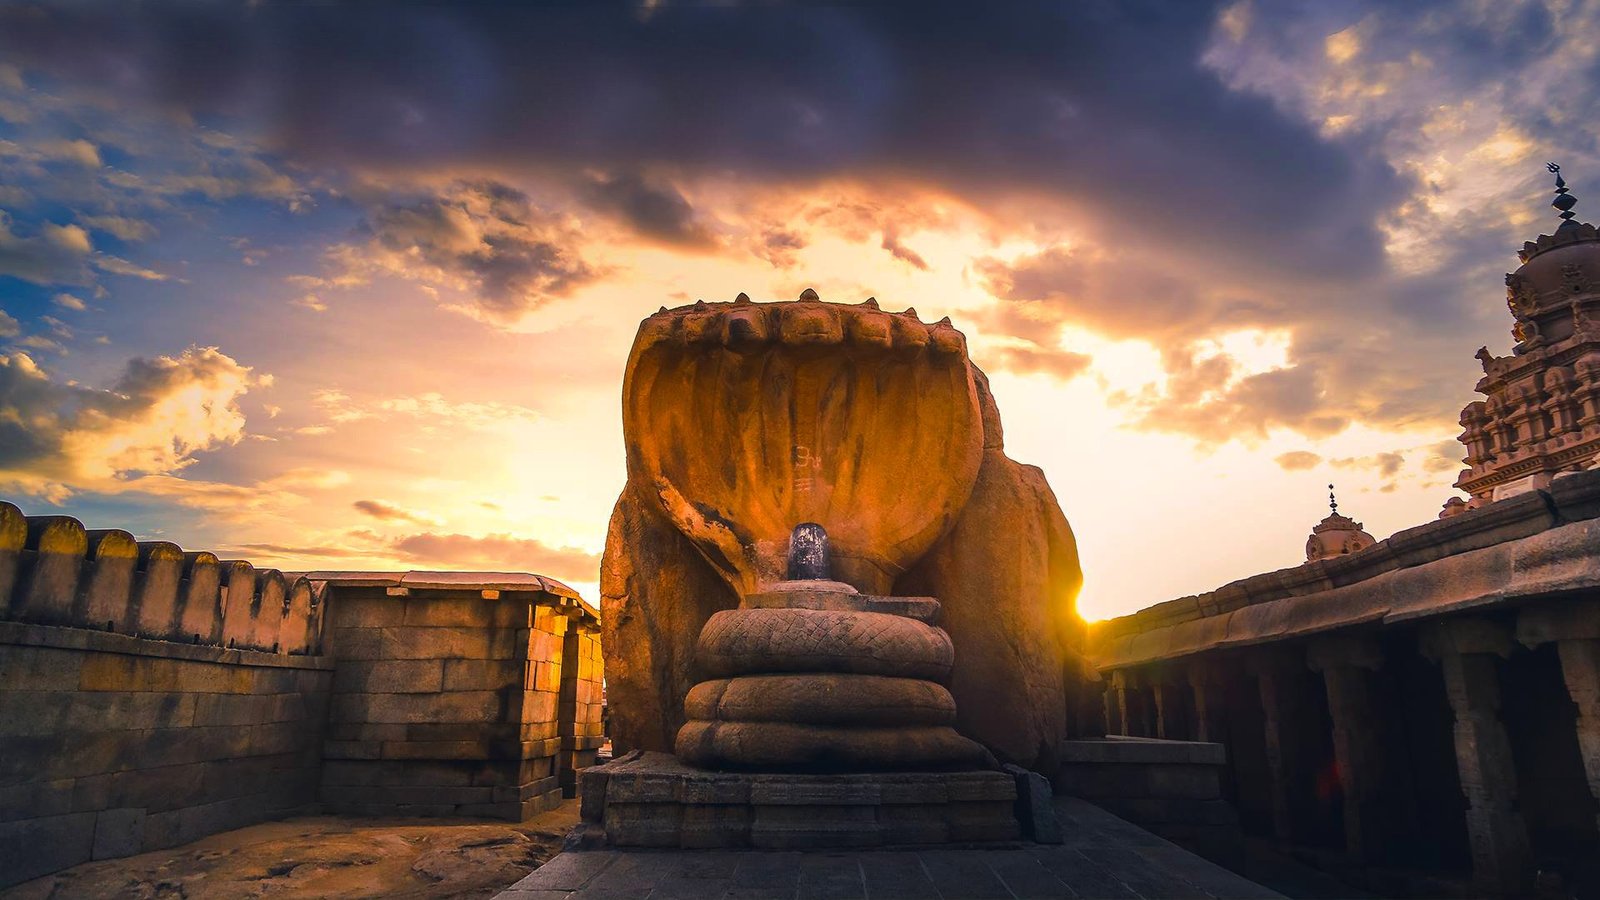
352	287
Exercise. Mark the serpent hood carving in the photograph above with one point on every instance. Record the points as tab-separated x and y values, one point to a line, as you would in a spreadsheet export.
743	420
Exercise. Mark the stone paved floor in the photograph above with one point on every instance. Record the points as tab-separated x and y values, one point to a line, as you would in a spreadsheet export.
1103	856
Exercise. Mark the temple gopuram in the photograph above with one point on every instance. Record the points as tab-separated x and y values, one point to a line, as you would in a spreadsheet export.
1541	415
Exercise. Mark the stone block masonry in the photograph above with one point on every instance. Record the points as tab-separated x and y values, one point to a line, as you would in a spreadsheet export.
112	745
151	696
458	695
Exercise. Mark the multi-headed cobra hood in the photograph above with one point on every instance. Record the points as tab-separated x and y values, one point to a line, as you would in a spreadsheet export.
750	418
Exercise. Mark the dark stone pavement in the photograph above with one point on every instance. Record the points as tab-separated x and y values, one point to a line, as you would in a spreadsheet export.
1103	856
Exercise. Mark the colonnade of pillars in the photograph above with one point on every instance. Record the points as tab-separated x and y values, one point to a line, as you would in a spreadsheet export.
1348	738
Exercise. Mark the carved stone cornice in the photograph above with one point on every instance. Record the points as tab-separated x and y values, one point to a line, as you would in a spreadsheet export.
1571	233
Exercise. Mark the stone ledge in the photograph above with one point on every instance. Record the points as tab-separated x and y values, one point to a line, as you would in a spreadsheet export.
509	582
68	638
1573	498
1561	560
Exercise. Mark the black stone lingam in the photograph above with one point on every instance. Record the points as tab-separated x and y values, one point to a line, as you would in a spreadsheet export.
808	553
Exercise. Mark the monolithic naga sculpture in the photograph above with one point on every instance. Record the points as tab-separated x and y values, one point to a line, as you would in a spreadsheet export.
742	421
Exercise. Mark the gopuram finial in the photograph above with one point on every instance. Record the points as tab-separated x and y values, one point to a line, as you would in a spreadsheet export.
1564	200
1333	504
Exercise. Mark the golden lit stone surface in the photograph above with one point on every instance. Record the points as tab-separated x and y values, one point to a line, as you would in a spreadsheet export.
747	419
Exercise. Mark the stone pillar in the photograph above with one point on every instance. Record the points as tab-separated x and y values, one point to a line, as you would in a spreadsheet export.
1118	703
1373	812
1171	711
1276	672
1111	698
1207	679
1467	651
1580	665
1145	716
1574	626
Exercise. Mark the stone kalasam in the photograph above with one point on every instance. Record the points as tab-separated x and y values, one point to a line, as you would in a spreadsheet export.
741	420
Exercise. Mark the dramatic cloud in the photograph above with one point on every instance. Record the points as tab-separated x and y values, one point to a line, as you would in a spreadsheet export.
1386	465
153	420
57	254
1284	226
1117	296
998	101
500	553
1206	399
652	209
891	243
779	246
120	227
1062	365
483	240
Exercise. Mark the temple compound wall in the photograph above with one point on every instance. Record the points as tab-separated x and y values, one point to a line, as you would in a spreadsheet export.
151	696
1430	703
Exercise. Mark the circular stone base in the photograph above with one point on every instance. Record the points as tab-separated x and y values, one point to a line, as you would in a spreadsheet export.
760	641
834	699
782	746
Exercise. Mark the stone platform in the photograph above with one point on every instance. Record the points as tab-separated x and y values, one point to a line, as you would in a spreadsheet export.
652	800
1103	856
1172	787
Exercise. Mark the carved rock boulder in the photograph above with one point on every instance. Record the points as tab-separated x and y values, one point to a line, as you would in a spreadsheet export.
740	421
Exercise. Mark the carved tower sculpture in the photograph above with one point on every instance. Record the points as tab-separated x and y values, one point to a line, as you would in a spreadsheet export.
1541	412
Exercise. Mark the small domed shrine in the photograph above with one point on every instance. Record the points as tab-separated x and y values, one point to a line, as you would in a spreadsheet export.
1336	535
1541	417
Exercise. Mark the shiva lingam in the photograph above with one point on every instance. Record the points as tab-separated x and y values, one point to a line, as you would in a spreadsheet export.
811	675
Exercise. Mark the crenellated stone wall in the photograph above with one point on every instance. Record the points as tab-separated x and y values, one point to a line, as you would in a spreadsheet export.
53	571
148	696
151	696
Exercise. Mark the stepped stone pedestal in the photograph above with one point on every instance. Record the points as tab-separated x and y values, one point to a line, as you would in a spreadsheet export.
656	800
823	724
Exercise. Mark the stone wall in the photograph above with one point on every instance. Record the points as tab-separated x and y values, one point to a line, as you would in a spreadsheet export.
581	704
150	696
447	699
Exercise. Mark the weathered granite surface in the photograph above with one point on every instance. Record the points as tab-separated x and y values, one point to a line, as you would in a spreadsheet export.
742	420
